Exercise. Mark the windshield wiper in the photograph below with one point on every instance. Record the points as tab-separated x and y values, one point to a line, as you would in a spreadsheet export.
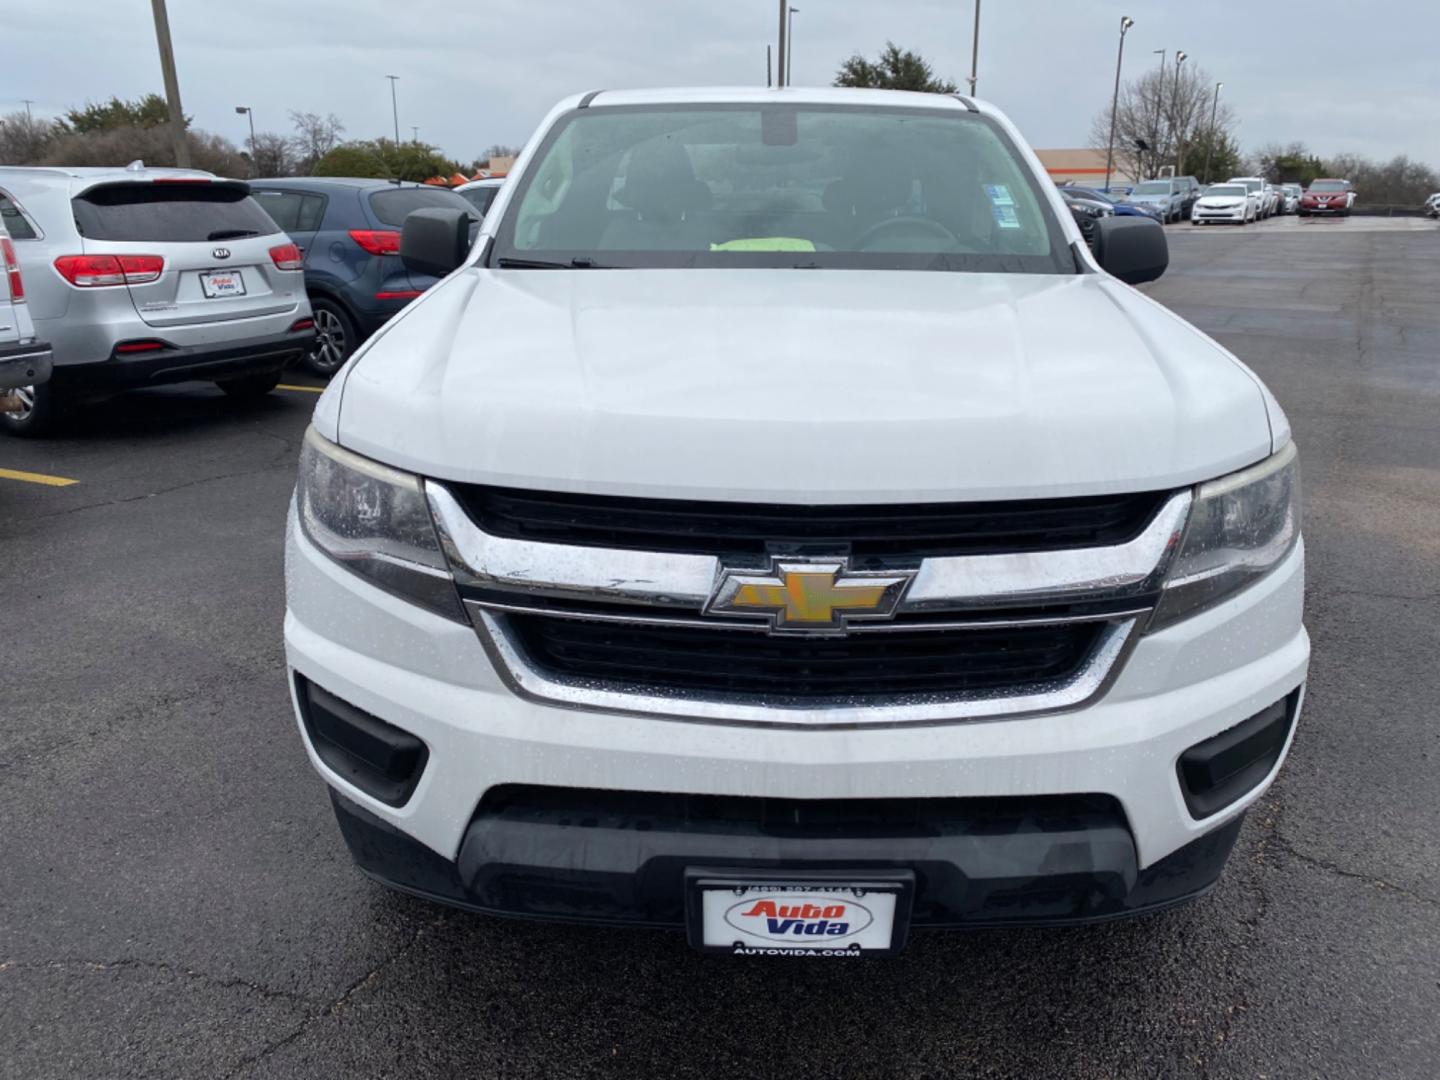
579	263
232	234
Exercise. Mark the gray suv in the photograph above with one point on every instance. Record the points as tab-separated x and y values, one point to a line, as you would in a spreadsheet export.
142	276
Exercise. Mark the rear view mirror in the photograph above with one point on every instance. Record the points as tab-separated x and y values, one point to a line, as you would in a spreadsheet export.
435	241
1132	248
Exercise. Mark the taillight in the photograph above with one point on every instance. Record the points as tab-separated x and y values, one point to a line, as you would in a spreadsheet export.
377	241
147	345
398	294
12	270
286	257
302	324
92	271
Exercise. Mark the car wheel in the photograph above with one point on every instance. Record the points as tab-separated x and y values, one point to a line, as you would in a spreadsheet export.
334	339
39	412
250	387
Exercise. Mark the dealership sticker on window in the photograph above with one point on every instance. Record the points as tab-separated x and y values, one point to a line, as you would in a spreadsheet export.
1005	217
999	195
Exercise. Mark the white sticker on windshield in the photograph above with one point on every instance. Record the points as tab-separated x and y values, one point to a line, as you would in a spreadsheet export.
1005	217
999	195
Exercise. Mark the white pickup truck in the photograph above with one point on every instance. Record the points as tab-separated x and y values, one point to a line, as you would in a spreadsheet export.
780	524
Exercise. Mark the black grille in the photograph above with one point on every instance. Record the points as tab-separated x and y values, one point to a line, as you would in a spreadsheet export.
893	532
778	668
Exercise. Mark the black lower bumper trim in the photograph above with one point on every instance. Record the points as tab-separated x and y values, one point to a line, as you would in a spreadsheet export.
227	360
977	863
24	365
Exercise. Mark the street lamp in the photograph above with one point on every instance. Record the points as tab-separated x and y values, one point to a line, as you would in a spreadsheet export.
1210	146
790	44
975	51
394	108
1174	107
250	113
1125	23
1159	109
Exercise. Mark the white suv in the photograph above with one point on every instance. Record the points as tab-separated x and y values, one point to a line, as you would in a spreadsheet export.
24	361
749	539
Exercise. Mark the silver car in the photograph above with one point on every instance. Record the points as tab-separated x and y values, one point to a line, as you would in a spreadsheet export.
24	361
142	276
481	193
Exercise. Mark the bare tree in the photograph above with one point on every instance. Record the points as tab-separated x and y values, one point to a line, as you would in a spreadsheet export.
273	155
23	141
1168	114
315	136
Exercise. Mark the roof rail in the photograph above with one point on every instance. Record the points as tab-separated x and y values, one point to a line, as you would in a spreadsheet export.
966	102
588	98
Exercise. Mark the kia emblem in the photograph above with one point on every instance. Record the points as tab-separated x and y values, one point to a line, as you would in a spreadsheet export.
221	253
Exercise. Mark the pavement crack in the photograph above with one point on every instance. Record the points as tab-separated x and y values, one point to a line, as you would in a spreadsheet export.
338	1003
1283	844
139	964
1376	594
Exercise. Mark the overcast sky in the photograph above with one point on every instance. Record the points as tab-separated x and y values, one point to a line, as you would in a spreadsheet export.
1334	74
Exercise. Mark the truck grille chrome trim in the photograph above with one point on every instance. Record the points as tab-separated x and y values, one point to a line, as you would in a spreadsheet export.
644	593
685	582
905	710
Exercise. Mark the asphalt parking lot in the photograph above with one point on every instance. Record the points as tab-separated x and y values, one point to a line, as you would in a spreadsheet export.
175	899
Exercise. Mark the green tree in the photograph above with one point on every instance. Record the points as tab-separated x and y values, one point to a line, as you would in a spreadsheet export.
383	158
146	112
893	70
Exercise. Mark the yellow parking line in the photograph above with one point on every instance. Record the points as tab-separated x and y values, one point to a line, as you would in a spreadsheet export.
302	389
36	478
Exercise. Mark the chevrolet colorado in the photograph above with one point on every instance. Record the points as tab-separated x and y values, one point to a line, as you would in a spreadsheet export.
781	524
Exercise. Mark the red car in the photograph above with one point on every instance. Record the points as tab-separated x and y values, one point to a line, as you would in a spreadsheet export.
1327	197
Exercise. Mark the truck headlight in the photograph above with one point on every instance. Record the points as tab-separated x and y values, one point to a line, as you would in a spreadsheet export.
373	520
1241	526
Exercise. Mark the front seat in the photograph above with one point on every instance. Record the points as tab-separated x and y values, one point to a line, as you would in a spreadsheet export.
660	193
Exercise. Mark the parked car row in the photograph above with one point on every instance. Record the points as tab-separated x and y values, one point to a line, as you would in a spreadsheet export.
1243	199
141	277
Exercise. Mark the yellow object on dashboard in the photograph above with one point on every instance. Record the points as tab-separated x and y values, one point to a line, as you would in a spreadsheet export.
765	243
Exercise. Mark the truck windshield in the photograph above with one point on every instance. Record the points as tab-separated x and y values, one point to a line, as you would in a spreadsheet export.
812	186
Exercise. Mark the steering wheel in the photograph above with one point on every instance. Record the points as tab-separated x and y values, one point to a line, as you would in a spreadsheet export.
909	222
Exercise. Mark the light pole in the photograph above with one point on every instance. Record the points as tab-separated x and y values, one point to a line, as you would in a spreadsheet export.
1159	109
975	51
172	84
790	43
254	168
780	72
1125	23
1210	146
415	134
394	108
28	102
1174	107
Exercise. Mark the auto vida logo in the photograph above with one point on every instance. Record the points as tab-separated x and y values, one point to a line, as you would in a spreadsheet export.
220	253
785	918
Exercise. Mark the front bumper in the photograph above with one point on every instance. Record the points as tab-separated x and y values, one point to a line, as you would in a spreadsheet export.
223	360
1206	213
1323	208
24	365
431	678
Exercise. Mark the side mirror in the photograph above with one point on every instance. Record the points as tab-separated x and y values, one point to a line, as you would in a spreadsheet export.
435	241
1131	248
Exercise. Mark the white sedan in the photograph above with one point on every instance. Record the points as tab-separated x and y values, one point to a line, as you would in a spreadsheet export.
1233	203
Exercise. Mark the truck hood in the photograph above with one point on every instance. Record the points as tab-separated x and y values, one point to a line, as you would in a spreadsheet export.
818	386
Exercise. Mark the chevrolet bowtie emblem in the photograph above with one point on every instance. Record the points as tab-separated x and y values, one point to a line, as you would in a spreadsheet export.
804	595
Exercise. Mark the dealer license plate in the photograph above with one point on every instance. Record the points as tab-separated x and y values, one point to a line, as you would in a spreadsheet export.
799	914
221	283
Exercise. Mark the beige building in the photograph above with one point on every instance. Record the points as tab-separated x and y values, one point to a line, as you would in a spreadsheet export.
1082	167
